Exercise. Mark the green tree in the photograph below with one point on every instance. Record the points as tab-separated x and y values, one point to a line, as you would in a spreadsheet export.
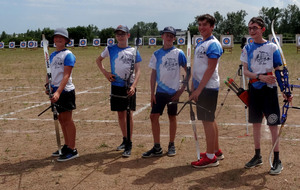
269	14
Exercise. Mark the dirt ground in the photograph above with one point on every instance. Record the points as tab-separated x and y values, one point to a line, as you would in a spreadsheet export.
27	141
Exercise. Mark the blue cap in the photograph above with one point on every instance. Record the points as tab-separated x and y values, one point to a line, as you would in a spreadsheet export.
122	28
169	29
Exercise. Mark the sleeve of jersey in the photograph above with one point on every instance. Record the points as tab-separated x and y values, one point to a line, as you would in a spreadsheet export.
70	60
277	59
182	59
138	57
244	57
214	51
105	52
152	63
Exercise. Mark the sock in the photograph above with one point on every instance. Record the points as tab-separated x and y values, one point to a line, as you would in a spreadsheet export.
157	146
276	156
171	144
210	156
257	152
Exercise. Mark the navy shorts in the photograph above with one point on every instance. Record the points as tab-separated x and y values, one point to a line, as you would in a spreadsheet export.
264	102
66	101
120	103
207	104
162	100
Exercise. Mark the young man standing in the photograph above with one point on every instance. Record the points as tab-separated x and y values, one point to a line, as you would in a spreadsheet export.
205	87
165	77
121	58
260	58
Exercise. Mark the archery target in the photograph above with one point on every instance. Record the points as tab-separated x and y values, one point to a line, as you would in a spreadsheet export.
278	37
226	40
23	44
30	44
110	41
140	42
1	45
11	45
71	43
96	42
152	41
82	42
197	40
181	40
250	40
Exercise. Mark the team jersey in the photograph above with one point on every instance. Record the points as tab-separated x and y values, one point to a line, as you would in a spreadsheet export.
167	65
261	59
120	63
210	48
58	60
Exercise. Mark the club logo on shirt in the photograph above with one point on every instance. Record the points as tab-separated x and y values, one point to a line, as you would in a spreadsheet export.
170	64
200	52
262	57
58	62
126	59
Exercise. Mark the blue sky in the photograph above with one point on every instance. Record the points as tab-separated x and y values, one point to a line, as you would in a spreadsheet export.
20	15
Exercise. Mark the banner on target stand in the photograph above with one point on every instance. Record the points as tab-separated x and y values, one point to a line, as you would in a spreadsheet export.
71	43
12	45
279	38
96	42
196	39
181	40
227	41
110	41
82	42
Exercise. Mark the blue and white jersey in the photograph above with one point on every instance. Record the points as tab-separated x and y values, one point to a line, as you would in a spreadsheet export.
58	60
120	63
210	48
167	65
261	59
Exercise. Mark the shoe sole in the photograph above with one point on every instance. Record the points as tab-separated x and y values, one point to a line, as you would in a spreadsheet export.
208	165
276	173
153	155
63	160
220	157
253	166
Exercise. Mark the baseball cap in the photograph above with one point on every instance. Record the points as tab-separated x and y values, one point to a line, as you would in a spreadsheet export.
122	28
169	29
63	32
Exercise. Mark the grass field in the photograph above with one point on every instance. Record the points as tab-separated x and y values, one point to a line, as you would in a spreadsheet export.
27	141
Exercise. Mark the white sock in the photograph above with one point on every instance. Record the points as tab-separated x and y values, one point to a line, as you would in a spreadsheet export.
210	156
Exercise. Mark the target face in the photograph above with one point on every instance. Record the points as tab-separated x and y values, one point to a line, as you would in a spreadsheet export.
82	42
140	42
152	41
96	42
298	41
273	40
226	41
250	40
110	41
198	40
1	44
31	44
71	43
11	45
181	41
23	45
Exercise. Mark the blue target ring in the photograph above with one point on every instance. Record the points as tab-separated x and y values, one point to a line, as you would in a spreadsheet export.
11	44
1	45
226	41
23	44
110	42
152	41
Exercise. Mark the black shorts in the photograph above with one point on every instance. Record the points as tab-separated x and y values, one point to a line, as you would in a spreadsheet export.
66	101
120	103
207	104
162	100
264	102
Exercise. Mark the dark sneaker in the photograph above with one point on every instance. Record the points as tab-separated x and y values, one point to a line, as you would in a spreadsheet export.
153	152
277	168
69	155
171	150
122	145
219	154
127	151
63	150
255	161
205	162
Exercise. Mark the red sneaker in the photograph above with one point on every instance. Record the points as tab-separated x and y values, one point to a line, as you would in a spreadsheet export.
218	154
205	162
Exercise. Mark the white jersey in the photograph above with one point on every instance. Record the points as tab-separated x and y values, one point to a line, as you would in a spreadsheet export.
58	60
120	63
210	48
167	65
261	59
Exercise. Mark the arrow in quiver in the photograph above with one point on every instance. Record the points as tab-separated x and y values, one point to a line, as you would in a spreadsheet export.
240	92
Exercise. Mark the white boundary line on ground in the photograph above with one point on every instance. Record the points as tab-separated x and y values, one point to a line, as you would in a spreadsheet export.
13	97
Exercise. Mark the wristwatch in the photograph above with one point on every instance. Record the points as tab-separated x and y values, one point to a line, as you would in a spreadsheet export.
257	76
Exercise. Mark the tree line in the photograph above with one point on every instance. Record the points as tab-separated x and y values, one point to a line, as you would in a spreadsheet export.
287	23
